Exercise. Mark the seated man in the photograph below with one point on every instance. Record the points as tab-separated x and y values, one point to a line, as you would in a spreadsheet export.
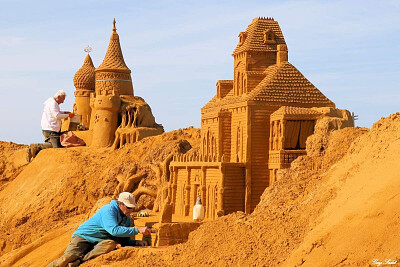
102	232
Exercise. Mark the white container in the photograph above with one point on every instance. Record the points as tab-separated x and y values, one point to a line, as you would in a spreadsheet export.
76	118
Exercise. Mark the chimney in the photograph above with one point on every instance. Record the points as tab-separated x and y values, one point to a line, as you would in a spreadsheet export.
282	55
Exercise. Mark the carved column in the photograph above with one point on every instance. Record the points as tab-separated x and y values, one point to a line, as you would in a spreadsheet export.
282	134
187	191
203	185
174	187
247	200
220	204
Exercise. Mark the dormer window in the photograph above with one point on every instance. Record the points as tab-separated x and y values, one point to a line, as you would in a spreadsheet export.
242	37
269	37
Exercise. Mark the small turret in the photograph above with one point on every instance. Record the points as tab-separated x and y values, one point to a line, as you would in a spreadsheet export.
105	118
84	83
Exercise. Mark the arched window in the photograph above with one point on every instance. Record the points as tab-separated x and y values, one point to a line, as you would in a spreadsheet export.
204	145
208	143
238	143
242	79
212	146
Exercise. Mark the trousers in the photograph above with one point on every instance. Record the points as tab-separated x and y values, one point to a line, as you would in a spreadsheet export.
80	248
53	138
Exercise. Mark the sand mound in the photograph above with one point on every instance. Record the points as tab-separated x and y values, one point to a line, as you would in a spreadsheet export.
61	185
12	161
337	206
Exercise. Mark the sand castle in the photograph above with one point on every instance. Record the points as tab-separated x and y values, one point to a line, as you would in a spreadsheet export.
255	125
110	113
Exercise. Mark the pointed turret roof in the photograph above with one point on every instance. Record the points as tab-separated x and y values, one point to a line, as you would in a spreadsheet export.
254	36
114	60
84	78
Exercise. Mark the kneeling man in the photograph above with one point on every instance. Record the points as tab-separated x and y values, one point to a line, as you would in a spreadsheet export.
102	232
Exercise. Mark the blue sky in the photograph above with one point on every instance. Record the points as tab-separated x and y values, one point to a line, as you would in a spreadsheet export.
177	50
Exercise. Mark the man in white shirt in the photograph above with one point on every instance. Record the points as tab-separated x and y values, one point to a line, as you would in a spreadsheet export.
51	124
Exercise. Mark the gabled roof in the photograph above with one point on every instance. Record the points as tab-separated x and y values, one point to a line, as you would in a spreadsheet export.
283	85
114	60
254	40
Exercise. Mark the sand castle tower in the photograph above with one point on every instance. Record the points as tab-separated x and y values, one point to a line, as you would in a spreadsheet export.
84	81
106	106
105	95
113	78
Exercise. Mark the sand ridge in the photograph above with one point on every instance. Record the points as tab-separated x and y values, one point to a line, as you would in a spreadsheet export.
337	206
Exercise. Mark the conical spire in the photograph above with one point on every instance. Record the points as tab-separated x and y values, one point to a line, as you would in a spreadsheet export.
114	60
84	78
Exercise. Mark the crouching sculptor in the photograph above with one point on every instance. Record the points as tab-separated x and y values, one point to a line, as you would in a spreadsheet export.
102	233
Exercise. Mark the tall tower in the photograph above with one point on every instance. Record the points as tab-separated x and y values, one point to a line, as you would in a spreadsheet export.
256	51
84	80
113	79
113	72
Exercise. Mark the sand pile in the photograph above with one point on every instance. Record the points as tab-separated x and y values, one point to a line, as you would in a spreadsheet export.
59	187
12	161
339	205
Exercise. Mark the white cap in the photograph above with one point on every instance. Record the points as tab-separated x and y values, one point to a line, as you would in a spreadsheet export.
128	199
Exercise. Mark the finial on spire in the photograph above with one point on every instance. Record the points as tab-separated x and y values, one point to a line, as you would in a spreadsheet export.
88	49
114	29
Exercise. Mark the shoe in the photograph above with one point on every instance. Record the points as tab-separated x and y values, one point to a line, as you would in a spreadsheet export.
28	155
75	263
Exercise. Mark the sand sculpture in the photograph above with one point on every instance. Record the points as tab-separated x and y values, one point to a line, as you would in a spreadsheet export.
255	125
110	114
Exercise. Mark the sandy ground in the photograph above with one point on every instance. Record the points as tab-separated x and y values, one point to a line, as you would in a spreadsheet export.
337	206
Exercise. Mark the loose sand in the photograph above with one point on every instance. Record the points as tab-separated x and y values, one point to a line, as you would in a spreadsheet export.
337	206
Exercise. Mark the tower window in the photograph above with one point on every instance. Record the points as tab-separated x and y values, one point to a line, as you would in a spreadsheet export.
269	36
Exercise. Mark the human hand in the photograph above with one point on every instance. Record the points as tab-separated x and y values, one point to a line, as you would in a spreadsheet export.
144	230
141	243
118	246
71	114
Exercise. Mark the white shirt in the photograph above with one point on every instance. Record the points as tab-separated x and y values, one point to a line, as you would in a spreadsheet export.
51	118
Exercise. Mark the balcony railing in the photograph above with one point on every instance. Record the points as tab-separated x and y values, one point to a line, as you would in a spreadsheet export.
281	159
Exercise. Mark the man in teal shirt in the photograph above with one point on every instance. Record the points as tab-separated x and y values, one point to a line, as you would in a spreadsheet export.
102	232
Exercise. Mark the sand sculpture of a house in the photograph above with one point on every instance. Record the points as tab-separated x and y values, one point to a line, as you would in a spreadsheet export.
110	113
242	144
